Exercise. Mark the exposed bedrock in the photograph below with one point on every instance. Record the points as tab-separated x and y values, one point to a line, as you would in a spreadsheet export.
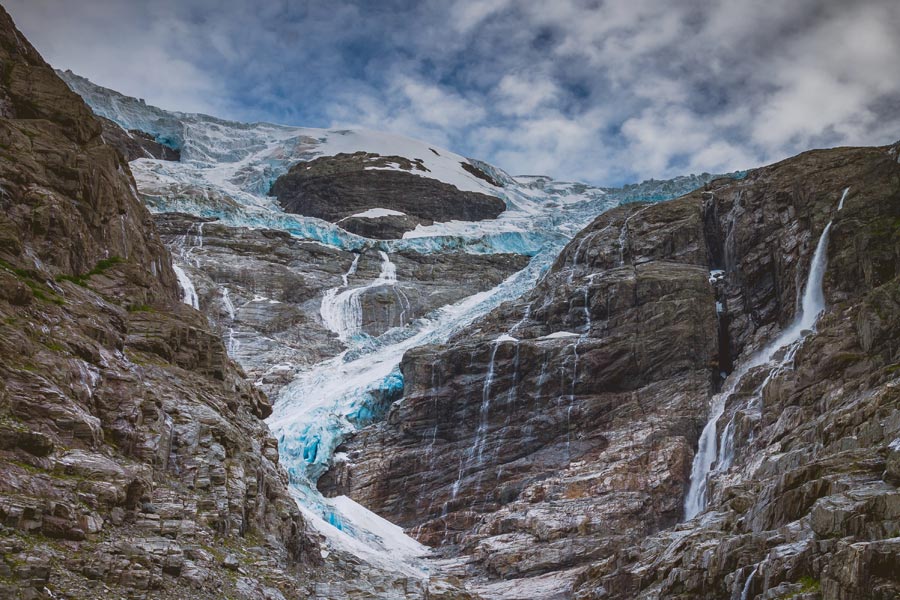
133	458
336	188
264	289
525	451
134	144
808	506
546	444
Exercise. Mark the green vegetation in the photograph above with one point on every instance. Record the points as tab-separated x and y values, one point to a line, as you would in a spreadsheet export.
140	308
39	290
55	347
20	273
100	267
809	585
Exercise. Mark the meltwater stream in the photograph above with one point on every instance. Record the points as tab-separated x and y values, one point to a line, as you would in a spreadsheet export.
323	404
708	451
224	174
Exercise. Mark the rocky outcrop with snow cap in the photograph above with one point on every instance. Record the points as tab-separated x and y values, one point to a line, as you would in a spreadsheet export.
346	187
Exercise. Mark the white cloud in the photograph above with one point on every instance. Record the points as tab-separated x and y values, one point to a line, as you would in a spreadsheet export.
521	94
604	91
439	106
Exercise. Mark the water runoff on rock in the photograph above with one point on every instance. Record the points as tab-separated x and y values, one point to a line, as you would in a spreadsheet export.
224	174
712	456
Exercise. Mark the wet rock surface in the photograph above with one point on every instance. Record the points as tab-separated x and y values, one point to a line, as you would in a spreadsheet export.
336	188
806	507
263	290
547	449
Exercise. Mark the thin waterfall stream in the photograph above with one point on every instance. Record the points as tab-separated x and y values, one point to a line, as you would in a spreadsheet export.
811	306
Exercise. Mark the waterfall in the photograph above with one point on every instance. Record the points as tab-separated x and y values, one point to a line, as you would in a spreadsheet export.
232	343
341	311
476	450
843	197
745	592
623	234
188	292
811	306
481	432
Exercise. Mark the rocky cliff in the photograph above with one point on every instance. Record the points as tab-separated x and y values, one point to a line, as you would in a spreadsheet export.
135	144
668	362
264	291
549	447
133	457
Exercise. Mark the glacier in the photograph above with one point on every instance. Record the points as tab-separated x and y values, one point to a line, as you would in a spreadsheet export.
224	174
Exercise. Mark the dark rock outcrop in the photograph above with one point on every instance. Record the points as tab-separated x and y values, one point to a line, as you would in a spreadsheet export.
132	452
548	442
809	506
135	144
519	442
336	188
384	227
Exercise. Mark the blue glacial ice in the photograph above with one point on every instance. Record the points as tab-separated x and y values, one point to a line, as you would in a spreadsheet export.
225	172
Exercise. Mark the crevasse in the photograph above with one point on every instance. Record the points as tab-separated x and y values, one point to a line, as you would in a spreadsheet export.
225	173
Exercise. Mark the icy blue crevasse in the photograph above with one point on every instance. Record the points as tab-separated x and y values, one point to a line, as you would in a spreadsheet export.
375	404
225	173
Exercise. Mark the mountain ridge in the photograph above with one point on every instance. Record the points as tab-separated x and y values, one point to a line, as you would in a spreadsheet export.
525	392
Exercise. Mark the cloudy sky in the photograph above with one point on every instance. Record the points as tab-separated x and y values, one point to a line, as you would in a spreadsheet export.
604	91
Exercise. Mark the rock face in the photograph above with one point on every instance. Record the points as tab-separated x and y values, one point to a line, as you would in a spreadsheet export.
133	458
807	506
518	442
135	144
546	446
264	290
336	188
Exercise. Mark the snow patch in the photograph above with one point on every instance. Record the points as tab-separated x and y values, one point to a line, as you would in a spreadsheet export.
375	213
558	335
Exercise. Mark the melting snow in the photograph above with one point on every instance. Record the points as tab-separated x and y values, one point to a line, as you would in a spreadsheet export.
375	213
559	334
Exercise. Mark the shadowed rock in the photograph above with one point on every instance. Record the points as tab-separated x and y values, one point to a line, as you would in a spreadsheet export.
547	443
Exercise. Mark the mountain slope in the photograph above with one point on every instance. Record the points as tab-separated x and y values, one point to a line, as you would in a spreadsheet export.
543	414
320	317
132	451
544	444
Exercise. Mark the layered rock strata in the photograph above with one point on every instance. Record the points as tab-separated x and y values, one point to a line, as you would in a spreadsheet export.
264	289
133	457
547	443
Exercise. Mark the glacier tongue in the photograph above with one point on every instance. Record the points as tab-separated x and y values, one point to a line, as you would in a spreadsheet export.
225	173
